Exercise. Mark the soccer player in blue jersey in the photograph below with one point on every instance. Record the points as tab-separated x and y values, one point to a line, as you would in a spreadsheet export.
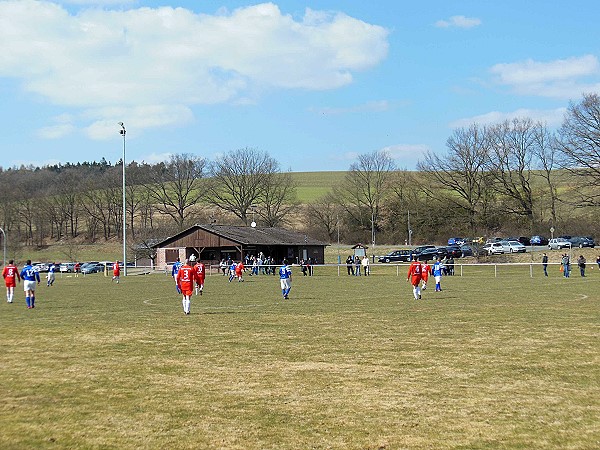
437	271
50	276
30	276
176	266
285	278
232	268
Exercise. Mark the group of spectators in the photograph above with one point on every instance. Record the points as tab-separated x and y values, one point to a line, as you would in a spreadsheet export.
357	265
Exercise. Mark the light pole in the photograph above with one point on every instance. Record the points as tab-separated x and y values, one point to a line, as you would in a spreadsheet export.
123	132
4	243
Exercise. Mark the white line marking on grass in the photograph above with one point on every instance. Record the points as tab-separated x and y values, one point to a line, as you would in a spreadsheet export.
583	296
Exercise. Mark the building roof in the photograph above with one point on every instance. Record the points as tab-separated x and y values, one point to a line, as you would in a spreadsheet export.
249	235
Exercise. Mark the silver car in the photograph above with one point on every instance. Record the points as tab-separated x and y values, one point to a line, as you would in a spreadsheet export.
513	247
558	243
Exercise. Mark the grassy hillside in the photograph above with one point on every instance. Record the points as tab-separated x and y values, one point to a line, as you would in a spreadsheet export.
313	185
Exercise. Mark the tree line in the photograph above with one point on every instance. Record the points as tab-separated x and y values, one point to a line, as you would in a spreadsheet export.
514	177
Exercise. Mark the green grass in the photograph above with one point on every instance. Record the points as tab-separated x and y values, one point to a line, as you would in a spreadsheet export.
311	186
349	362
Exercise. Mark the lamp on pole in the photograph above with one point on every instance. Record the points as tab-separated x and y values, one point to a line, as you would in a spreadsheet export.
4	243
123	132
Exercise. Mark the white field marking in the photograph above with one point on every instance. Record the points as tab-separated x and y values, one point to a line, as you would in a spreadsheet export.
583	296
149	302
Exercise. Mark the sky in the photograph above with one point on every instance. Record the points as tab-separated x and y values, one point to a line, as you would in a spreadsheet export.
313	84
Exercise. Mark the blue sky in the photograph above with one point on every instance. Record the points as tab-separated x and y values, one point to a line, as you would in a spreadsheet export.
314	84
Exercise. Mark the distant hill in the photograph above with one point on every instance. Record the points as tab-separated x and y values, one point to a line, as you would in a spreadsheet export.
313	185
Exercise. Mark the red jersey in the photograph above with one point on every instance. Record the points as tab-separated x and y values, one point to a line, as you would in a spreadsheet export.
199	270
116	269
425	271
414	272
185	279
11	274
239	269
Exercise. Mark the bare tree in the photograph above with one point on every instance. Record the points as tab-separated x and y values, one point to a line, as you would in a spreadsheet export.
460	176
579	143
245	178
366	185
278	198
546	151
510	164
324	216
176	186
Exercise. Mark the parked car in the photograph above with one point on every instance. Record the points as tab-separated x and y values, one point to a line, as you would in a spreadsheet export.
66	267
431	253
538	240
493	248
396	256
467	250
421	248
558	243
582	241
513	247
40	267
456	241
91	267
454	250
494	239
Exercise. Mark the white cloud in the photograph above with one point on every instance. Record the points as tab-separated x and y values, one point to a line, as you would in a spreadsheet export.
551	117
562	78
458	22
406	155
99	59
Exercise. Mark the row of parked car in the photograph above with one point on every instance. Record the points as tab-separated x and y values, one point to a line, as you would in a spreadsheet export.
85	268
428	253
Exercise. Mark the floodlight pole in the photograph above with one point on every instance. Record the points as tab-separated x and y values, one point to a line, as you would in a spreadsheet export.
4	244
123	132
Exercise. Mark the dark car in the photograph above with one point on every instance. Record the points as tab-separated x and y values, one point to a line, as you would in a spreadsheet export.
431	253
396	256
579	241
467	250
538	240
454	250
456	241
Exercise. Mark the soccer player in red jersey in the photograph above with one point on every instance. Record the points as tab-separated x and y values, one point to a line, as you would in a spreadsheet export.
116	271
185	282
200	273
425	272
414	276
11	276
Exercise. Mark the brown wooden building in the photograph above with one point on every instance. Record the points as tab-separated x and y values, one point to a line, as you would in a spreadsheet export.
211	243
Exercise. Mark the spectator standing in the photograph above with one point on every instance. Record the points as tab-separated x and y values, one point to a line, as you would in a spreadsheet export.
545	264
365	266
349	266
566	265
77	269
581	264
10	273
357	266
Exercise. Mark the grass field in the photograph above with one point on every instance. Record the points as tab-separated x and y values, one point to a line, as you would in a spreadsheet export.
348	362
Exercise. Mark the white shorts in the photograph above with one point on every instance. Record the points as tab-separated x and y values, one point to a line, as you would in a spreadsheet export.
438	278
286	283
29	285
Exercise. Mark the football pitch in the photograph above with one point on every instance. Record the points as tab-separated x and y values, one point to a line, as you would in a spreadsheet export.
347	363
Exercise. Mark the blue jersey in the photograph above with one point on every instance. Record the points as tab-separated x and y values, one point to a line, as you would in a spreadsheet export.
437	269
52	268
232	267
30	274
176	266
285	272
